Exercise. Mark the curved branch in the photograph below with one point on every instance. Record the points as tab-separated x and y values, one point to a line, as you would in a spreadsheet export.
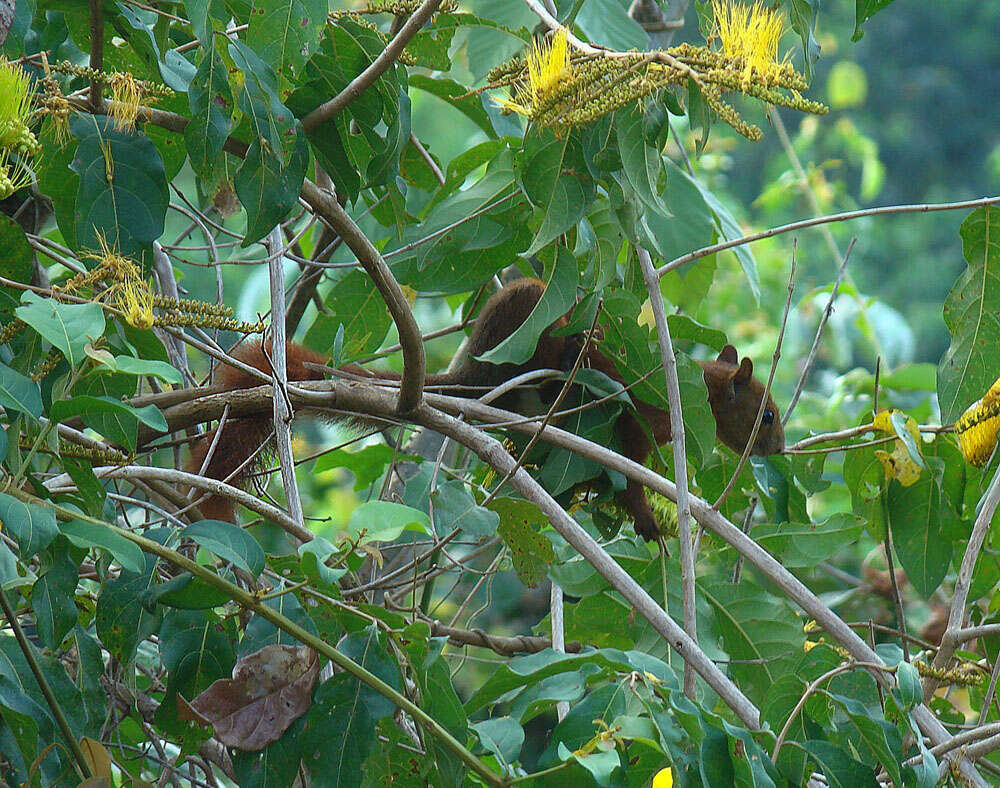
379	66
414	364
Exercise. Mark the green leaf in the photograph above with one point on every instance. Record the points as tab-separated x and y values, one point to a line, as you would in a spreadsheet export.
115	420
123	186
454	507
89	534
972	314
68	327
270	178
760	632
313	556
641	162
531	553
367	464
122	621
863	11
841	770
338	709
561	278
689	226
883	739
130	365
15	264
803	15
449	91
53	600
19	393
608	21
699	424
212	108
599	764
502	736
368	649
383	521
729	230
554	177
285	33
807	544
920	522
33	526
354	303
229	542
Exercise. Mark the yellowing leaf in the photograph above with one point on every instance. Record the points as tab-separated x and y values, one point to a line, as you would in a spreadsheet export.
899	464
977	427
664	778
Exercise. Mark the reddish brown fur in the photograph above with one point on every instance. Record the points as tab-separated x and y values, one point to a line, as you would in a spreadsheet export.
242	438
733	394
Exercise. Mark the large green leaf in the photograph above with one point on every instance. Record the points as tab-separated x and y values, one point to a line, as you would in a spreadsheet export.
69	327
806	544
229	542
554	177
19	393
354	303
115	420
122	620
285	33
89	534
33	526
921	524
642	164
15	264
211	114
561	277
123	186
972	314
384	521
269	180
339	708
52	599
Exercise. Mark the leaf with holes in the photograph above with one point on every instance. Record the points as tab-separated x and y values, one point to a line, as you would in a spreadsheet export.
530	551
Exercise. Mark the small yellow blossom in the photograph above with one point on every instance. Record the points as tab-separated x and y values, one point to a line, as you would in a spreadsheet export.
749	33
664	778
977	427
548	65
898	464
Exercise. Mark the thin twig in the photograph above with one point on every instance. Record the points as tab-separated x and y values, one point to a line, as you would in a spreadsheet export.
767	389
722	246
827	311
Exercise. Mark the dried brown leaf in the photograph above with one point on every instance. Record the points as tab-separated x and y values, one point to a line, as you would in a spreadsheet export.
269	690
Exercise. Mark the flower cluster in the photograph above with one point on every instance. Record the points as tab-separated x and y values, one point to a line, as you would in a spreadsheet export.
559	86
17	142
127	92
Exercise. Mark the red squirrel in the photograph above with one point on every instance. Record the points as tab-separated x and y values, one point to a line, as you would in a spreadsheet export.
733	394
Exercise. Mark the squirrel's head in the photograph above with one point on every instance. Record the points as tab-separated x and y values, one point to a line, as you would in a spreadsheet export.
734	395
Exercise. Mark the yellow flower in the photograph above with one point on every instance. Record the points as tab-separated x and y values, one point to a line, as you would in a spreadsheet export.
898	464
548	65
13	176
125	97
977	427
664	778
136	301
749	34
15	98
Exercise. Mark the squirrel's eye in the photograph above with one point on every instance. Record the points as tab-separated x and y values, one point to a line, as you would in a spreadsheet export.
768	417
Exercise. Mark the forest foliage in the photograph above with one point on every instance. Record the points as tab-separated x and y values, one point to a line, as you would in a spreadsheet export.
177	174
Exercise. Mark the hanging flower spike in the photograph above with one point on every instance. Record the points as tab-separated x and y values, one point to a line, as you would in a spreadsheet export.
548	64
749	34
977	427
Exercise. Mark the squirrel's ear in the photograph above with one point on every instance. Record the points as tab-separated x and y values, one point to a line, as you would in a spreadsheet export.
719	380
745	371
729	355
